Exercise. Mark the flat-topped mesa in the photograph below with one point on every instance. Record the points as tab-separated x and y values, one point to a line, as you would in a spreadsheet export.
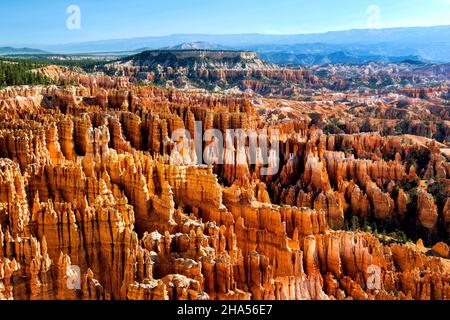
204	58
206	54
240	71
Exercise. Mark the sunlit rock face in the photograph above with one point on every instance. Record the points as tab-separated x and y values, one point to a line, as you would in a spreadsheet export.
98	200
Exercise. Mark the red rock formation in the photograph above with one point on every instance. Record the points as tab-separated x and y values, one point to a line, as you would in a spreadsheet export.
426	209
94	205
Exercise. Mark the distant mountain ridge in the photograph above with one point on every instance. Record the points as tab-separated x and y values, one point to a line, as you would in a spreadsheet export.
198	45
410	35
12	50
430	44
308	59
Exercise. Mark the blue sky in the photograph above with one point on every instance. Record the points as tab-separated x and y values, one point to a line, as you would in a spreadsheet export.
44	21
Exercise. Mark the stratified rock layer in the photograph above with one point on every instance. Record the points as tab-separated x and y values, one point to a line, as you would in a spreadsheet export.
98	201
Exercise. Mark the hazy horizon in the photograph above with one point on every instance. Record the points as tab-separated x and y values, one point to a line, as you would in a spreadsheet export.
217	34
63	22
